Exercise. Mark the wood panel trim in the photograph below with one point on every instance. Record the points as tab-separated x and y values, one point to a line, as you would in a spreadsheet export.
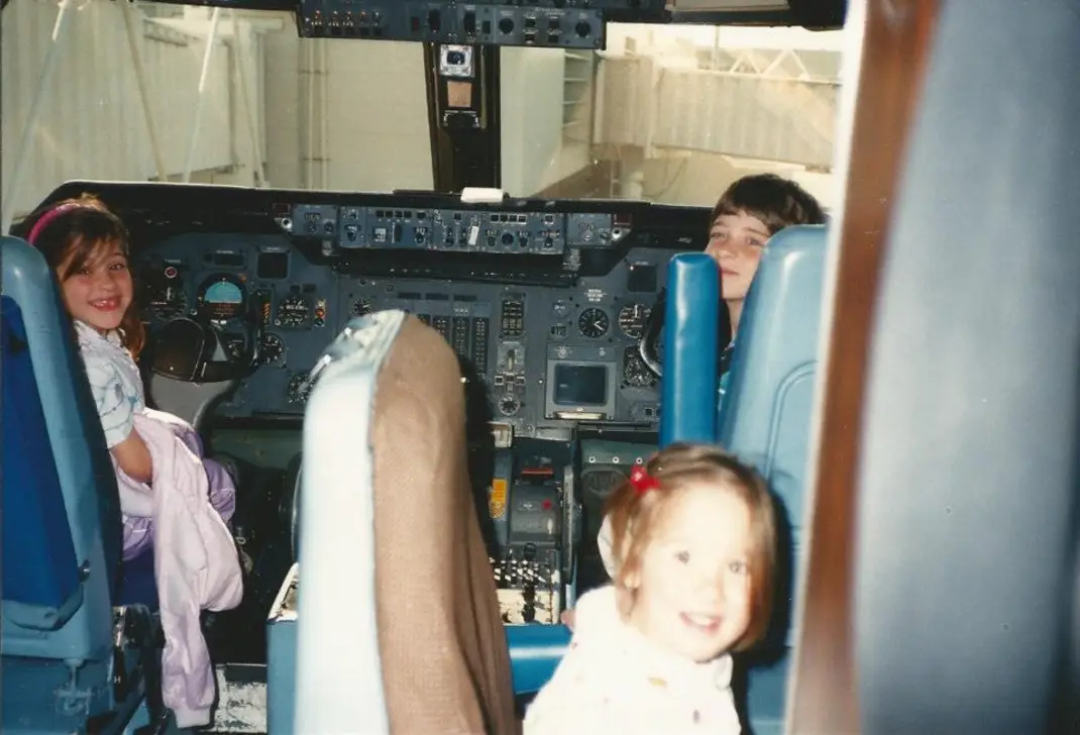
896	46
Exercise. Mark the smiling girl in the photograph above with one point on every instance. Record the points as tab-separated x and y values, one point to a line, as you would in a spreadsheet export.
87	247
694	547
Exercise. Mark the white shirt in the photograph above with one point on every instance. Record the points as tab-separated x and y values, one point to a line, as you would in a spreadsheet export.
613	680
115	381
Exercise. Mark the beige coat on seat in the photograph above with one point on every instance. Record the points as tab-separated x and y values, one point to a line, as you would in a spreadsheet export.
445	658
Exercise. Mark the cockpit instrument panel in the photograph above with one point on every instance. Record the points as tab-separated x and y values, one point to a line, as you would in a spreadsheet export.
162	291
543	301
233	280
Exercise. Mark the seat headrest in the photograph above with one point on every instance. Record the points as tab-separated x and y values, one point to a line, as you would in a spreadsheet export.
691	346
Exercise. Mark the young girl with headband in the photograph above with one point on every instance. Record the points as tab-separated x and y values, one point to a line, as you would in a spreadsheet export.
170	496
694	547
87	248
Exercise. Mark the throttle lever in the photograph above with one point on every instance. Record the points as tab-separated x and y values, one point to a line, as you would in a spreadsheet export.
253	318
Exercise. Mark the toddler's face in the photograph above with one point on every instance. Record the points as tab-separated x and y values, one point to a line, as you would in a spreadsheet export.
101	292
693	590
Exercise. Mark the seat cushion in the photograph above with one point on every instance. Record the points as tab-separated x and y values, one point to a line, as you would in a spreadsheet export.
138	586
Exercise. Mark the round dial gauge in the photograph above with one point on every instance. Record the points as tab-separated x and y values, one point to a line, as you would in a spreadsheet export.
635	373
594	323
292	312
221	298
362	306
271	349
632	319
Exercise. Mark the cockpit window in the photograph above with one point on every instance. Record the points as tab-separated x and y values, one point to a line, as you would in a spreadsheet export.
671	114
131	92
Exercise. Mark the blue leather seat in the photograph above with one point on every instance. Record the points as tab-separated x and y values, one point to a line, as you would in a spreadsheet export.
766	413
61	517
88	489
41	578
690	349
766	418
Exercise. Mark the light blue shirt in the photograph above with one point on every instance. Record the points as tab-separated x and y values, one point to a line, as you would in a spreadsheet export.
115	381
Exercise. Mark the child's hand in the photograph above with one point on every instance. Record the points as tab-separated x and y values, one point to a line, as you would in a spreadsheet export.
567	618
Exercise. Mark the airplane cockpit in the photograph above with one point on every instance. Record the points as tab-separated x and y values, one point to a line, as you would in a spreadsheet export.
429	302
546	305
579	345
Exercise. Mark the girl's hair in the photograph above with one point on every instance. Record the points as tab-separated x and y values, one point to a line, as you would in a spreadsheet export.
635	514
74	230
776	201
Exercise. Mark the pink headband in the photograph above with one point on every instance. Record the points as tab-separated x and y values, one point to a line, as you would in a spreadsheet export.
52	214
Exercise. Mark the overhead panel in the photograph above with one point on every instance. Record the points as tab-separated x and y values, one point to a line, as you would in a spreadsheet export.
570	24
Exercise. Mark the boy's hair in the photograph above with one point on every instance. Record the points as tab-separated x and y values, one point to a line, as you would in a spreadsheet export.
78	231
635	515
776	201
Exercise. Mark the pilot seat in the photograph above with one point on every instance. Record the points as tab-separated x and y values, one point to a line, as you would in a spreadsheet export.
395	570
766	420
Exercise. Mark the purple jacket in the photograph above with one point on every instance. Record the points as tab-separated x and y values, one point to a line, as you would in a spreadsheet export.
138	510
196	565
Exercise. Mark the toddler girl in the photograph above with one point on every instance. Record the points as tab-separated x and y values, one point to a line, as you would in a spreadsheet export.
694	539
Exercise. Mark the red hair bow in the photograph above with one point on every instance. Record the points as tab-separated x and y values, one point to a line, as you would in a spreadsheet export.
642	481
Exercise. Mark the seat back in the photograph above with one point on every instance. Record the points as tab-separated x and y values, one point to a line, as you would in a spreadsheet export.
90	501
766	417
41	584
398	617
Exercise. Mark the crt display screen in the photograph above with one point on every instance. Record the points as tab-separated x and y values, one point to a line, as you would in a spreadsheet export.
580	385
